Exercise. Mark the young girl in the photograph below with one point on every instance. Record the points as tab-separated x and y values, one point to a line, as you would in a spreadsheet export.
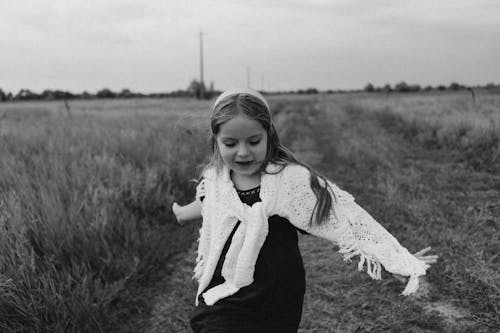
254	196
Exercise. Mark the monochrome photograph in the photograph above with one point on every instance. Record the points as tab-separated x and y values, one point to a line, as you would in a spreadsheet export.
229	166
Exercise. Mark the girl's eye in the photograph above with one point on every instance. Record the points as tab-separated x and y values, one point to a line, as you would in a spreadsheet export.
254	143
229	144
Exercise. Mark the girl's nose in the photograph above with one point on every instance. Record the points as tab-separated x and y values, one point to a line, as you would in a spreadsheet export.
243	150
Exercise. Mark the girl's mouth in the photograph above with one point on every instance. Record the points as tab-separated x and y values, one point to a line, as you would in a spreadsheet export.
244	164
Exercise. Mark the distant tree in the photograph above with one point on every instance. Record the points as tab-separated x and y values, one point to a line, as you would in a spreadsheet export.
369	88
402	87
105	93
311	91
56	95
47	95
3	96
387	87
441	87
26	95
196	89
428	88
179	93
490	86
456	86
65	94
125	93
85	95
414	88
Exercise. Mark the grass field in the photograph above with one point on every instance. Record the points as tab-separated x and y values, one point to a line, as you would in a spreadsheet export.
89	244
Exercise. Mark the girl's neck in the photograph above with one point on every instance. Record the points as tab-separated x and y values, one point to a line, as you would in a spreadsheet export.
244	182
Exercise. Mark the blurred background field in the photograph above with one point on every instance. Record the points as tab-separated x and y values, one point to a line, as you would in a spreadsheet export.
85	199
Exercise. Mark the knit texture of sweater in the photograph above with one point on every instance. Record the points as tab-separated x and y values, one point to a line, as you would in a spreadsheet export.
286	191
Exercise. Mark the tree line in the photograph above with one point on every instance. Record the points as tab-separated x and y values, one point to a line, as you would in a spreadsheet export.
195	89
49	95
405	87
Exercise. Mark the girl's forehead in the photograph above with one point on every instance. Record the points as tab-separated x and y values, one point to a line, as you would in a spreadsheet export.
241	126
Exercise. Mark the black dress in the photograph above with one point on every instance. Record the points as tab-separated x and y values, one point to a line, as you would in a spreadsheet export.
273	302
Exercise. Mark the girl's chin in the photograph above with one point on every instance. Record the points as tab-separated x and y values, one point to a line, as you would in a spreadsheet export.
246	169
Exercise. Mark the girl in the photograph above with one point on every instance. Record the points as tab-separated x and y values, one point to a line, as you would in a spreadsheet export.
254	196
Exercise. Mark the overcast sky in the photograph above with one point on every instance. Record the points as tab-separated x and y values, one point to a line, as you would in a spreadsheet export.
153	46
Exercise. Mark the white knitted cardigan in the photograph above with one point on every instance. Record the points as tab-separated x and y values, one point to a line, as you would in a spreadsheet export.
289	195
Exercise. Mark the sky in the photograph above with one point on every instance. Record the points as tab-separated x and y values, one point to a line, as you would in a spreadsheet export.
154	45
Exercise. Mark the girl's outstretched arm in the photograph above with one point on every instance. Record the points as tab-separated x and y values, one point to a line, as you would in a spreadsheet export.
188	212
351	228
358	234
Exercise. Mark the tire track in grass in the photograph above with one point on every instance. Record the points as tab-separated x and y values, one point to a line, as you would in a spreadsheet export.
356	154
173	307
448	206
464	218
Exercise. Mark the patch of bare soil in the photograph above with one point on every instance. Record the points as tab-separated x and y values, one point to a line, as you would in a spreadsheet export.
450	313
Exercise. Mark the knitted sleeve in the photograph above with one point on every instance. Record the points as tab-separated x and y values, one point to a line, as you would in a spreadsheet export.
349	226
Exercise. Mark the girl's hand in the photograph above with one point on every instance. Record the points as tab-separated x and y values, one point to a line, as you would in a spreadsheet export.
432	259
176	209
188	212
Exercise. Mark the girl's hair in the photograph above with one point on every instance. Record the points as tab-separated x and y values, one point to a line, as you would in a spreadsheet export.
253	107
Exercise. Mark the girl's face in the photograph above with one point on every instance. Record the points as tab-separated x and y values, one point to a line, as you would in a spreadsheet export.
242	145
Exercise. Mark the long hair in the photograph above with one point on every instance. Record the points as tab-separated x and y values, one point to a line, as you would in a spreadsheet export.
253	107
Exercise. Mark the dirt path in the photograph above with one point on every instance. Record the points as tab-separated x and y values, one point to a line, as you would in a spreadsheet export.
338	297
172	308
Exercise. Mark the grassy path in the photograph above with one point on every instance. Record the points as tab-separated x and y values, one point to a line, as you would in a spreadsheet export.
421	196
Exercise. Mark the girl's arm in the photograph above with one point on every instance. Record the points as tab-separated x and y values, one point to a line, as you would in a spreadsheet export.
357	233
193	210
351	228
188	212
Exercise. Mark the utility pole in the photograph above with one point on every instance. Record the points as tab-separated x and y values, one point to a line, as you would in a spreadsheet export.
248	76
202	84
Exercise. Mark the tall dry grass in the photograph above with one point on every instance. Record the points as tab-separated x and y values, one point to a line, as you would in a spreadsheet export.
425	199
446	121
421	199
85	208
85	201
